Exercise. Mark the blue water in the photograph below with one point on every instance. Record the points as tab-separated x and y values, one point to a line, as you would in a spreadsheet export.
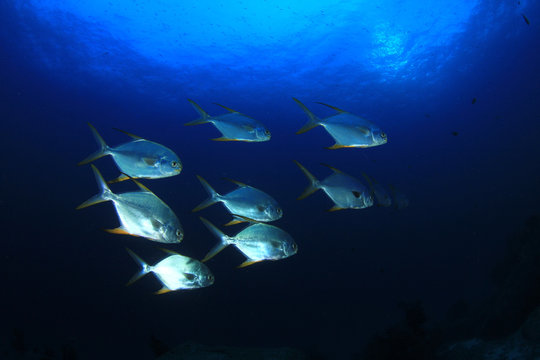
470	170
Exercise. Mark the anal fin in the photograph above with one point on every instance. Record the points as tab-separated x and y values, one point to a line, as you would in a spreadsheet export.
223	138
120	178
335	208
163	290
119	231
247	263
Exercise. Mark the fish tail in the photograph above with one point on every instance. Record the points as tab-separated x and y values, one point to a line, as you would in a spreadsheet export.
145	269
105	193
103	148
313	120
224	240
214	196
314	184
204	115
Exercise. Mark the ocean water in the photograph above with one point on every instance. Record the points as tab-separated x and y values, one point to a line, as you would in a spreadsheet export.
455	85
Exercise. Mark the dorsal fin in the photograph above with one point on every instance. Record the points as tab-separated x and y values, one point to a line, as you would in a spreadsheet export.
228	109
241	184
333	168
170	251
141	186
332	107
129	134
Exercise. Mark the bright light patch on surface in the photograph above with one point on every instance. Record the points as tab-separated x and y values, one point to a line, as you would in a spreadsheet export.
279	43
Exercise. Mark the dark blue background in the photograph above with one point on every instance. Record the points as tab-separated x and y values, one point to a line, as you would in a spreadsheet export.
64	278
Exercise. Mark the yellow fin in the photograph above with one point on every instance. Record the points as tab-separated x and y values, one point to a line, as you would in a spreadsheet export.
332	107
339	146
228	109
234	222
163	290
332	168
129	134
170	251
119	231
225	139
245	219
335	208
247	263
141	186
120	178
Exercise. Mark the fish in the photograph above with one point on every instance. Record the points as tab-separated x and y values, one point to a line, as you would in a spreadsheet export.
526	19
473	101
348	130
378	192
400	201
176	272
258	242
233	125
344	190
141	213
138	158
245	200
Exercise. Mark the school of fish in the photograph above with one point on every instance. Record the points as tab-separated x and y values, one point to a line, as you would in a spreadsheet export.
143	214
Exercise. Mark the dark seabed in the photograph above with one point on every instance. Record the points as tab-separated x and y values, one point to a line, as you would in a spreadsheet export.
454	85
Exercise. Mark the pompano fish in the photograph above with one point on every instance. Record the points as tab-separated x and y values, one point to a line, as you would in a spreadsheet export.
245	200
400	200
344	190
176	272
141	213
234	126
348	130
257	242
139	158
378	192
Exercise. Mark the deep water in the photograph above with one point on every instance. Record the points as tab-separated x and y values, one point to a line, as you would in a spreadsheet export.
455	87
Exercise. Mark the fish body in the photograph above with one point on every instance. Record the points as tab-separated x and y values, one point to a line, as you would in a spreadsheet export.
379	193
245	201
139	158
233	126
344	190
175	272
141	213
257	242
348	130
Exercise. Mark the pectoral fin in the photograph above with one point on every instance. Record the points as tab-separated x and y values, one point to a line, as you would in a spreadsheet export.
150	161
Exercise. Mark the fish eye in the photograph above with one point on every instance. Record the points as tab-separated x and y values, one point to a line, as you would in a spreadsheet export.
383	135
279	211
174	164
356	194
294	246
266	132
178	232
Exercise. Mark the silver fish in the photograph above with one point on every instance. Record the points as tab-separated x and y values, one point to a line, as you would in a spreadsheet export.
257	242
233	126
378	192
344	190
176	272
400	200
348	130
245	200
141	213
139	158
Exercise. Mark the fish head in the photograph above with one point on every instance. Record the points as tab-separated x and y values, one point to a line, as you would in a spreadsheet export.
199	276
361	199
171	234
289	248
262	133
169	165
379	137
272	211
